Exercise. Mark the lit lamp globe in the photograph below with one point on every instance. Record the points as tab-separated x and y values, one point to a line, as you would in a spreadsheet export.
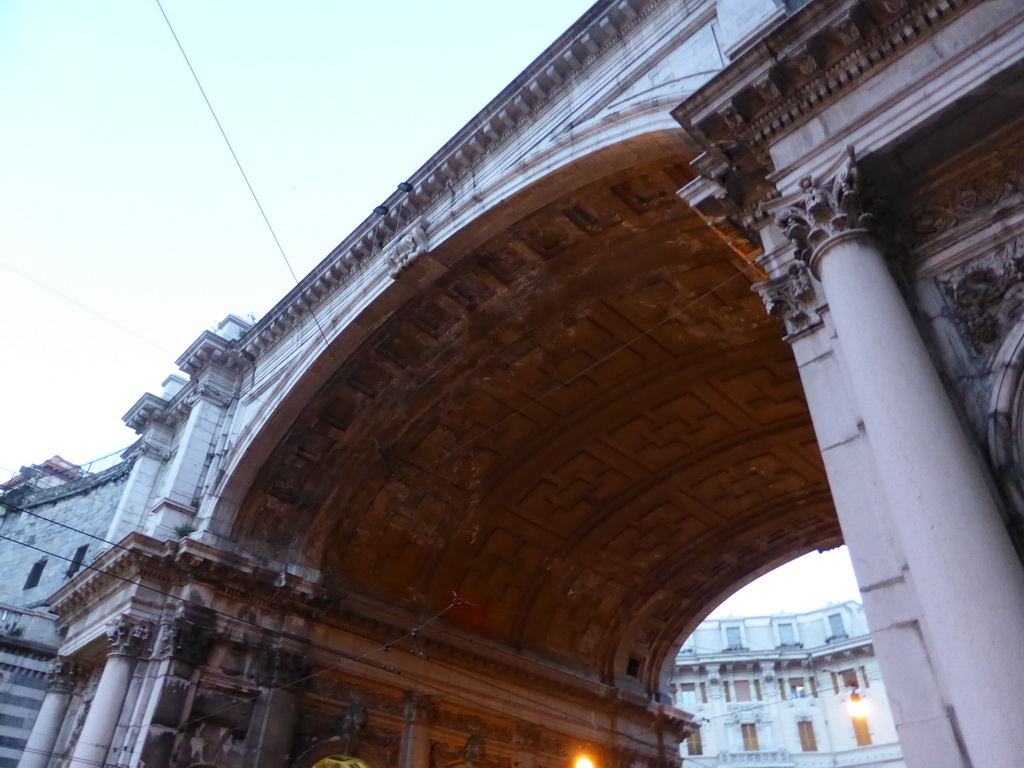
583	762
857	707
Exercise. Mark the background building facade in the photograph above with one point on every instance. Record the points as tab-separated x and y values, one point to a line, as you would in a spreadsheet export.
775	691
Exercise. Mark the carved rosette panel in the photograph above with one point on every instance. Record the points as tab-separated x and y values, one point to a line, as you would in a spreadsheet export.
126	637
997	178
791	298
824	209
986	296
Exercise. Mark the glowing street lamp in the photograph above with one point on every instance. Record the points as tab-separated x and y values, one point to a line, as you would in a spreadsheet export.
583	762
857	707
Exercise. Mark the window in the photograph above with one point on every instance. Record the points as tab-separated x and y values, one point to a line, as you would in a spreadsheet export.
77	560
797	689
633	667
847	678
864	674
35	574
687	695
860	731
807	741
836	627
725	689
733	638
786	634
704	692
693	744
742	690
749	731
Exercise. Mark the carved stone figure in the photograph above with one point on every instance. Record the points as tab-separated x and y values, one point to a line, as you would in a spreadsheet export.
409	247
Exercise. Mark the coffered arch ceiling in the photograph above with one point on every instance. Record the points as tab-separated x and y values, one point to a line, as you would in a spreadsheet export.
588	427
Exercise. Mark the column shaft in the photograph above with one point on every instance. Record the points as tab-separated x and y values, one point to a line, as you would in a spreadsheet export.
967	577
44	734
104	711
416	745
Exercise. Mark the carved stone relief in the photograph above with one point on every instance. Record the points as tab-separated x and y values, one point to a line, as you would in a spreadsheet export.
408	249
986	295
997	178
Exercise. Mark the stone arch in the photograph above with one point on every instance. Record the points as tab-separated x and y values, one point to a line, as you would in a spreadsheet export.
604	518
1006	426
613	147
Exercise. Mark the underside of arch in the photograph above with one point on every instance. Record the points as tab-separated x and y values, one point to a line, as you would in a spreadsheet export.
588	427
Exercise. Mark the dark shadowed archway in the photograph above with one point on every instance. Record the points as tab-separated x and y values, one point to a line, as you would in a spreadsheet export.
588	427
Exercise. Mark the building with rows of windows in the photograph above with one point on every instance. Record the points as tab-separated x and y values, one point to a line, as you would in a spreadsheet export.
786	691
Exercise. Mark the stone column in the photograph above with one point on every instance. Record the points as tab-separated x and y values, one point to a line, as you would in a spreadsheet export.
61	683
419	711
276	711
960	563
94	741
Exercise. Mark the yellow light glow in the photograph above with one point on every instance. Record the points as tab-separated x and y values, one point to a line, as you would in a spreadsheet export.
857	707
584	762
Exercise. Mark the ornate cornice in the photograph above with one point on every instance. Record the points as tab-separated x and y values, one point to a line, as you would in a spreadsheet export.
517	106
806	62
175	563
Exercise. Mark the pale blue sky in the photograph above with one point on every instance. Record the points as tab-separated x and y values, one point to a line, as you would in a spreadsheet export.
117	190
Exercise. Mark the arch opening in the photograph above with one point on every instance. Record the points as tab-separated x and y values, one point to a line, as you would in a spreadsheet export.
588	427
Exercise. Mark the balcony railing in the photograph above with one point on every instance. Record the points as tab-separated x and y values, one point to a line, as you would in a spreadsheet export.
775	758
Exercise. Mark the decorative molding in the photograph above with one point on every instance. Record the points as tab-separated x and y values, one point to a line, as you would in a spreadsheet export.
994	179
792	298
595	34
807	61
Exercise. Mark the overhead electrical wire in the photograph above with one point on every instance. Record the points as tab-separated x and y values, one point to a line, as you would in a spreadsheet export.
238	162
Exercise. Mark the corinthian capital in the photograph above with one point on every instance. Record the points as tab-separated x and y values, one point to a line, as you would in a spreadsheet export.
63	675
791	298
825	208
126	637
